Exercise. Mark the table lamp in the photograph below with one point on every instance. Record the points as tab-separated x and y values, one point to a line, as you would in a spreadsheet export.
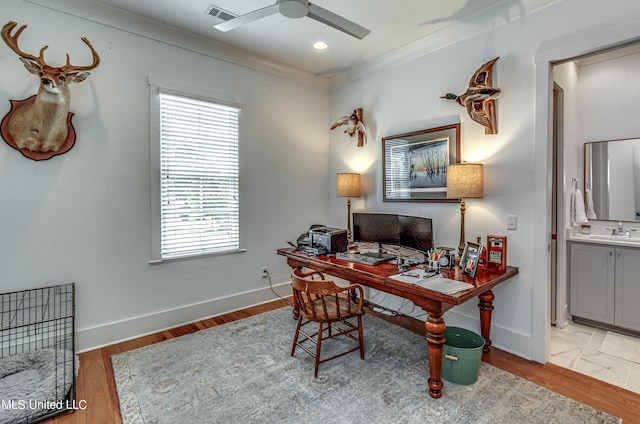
464	181
348	185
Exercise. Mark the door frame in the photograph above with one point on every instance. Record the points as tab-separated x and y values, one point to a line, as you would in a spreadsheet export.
624	30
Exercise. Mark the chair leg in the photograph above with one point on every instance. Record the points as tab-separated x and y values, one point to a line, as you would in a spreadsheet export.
360	337
295	337
318	347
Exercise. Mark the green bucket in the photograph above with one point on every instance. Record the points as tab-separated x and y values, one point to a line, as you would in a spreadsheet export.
461	355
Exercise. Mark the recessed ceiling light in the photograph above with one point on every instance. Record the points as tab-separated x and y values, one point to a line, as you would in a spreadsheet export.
320	45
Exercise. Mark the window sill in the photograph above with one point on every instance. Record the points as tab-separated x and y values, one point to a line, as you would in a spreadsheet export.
197	256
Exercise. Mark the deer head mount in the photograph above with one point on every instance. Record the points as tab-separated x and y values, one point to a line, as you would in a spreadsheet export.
40	126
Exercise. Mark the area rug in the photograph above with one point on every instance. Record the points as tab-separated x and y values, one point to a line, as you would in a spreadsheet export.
621	346
242	372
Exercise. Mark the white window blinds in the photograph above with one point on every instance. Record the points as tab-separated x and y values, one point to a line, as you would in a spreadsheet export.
199	174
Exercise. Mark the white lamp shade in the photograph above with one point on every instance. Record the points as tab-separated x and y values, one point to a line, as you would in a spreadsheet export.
348	184
465	180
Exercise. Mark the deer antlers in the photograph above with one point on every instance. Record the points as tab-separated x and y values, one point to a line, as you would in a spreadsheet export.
12	42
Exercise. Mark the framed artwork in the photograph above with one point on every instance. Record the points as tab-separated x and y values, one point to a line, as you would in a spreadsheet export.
414	165
470	257
497	252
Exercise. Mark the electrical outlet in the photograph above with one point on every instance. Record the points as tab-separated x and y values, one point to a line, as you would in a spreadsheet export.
265	272
512	222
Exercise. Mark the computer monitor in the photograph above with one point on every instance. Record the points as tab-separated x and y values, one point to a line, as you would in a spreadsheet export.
376	227
416	232
403	230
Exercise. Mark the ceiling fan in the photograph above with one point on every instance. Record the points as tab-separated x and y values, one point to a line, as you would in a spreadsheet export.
297	9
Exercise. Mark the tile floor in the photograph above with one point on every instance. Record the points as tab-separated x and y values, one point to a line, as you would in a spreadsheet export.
580	348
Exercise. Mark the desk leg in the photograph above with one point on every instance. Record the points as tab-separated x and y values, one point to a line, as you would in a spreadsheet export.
435	339
486	306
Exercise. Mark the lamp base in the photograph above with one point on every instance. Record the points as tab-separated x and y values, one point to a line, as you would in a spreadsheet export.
349	235
463	208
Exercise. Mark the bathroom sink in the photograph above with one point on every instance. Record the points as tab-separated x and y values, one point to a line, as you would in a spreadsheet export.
625	239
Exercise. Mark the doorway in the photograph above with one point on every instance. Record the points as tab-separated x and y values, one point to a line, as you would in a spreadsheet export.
568	47
572	122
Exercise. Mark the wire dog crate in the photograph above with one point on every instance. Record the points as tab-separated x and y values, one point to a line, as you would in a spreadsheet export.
37	353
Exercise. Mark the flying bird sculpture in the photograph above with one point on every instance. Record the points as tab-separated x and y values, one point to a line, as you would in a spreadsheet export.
354	124
479	98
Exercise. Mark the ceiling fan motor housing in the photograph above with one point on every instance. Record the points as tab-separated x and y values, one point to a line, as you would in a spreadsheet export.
293	8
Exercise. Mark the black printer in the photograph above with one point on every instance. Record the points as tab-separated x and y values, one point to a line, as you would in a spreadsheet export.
334	240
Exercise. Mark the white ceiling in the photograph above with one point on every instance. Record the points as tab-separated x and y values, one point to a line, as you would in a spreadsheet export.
394	25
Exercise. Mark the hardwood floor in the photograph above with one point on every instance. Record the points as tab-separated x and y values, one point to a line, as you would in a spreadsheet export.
96	385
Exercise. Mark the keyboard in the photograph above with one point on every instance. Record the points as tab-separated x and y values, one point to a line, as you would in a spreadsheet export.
368	258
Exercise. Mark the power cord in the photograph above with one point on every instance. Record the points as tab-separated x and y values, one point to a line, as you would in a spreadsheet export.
271	286
381	309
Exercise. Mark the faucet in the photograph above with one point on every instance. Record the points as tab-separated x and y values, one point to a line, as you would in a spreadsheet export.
618	231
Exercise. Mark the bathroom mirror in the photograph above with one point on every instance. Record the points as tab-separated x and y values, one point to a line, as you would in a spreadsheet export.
612	173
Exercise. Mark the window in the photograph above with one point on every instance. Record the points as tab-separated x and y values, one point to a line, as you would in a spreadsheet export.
199	177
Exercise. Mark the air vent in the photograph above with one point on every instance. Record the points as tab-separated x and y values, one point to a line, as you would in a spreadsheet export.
220	13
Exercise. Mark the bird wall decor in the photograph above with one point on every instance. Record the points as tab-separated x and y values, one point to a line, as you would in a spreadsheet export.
354	124
479	98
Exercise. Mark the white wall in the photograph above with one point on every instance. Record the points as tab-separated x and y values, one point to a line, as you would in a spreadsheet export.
404	96
566	75
609	93
85	216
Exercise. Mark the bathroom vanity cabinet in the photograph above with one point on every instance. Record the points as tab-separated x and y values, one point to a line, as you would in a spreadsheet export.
604	284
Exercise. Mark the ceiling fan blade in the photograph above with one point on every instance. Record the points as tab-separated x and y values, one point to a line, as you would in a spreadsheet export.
246	18
336	21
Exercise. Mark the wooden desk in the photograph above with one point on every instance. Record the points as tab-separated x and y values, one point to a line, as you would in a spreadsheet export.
434	303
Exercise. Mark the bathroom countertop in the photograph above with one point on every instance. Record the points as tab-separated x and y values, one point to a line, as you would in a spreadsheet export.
604	239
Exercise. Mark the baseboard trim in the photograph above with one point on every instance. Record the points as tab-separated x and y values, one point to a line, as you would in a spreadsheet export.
508	340
119	331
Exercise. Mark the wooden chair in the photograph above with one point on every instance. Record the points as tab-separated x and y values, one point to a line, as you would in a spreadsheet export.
332	307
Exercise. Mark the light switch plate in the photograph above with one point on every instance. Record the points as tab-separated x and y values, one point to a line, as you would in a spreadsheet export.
512	222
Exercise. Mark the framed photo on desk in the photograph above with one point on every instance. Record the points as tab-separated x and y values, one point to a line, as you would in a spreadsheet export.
470	257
